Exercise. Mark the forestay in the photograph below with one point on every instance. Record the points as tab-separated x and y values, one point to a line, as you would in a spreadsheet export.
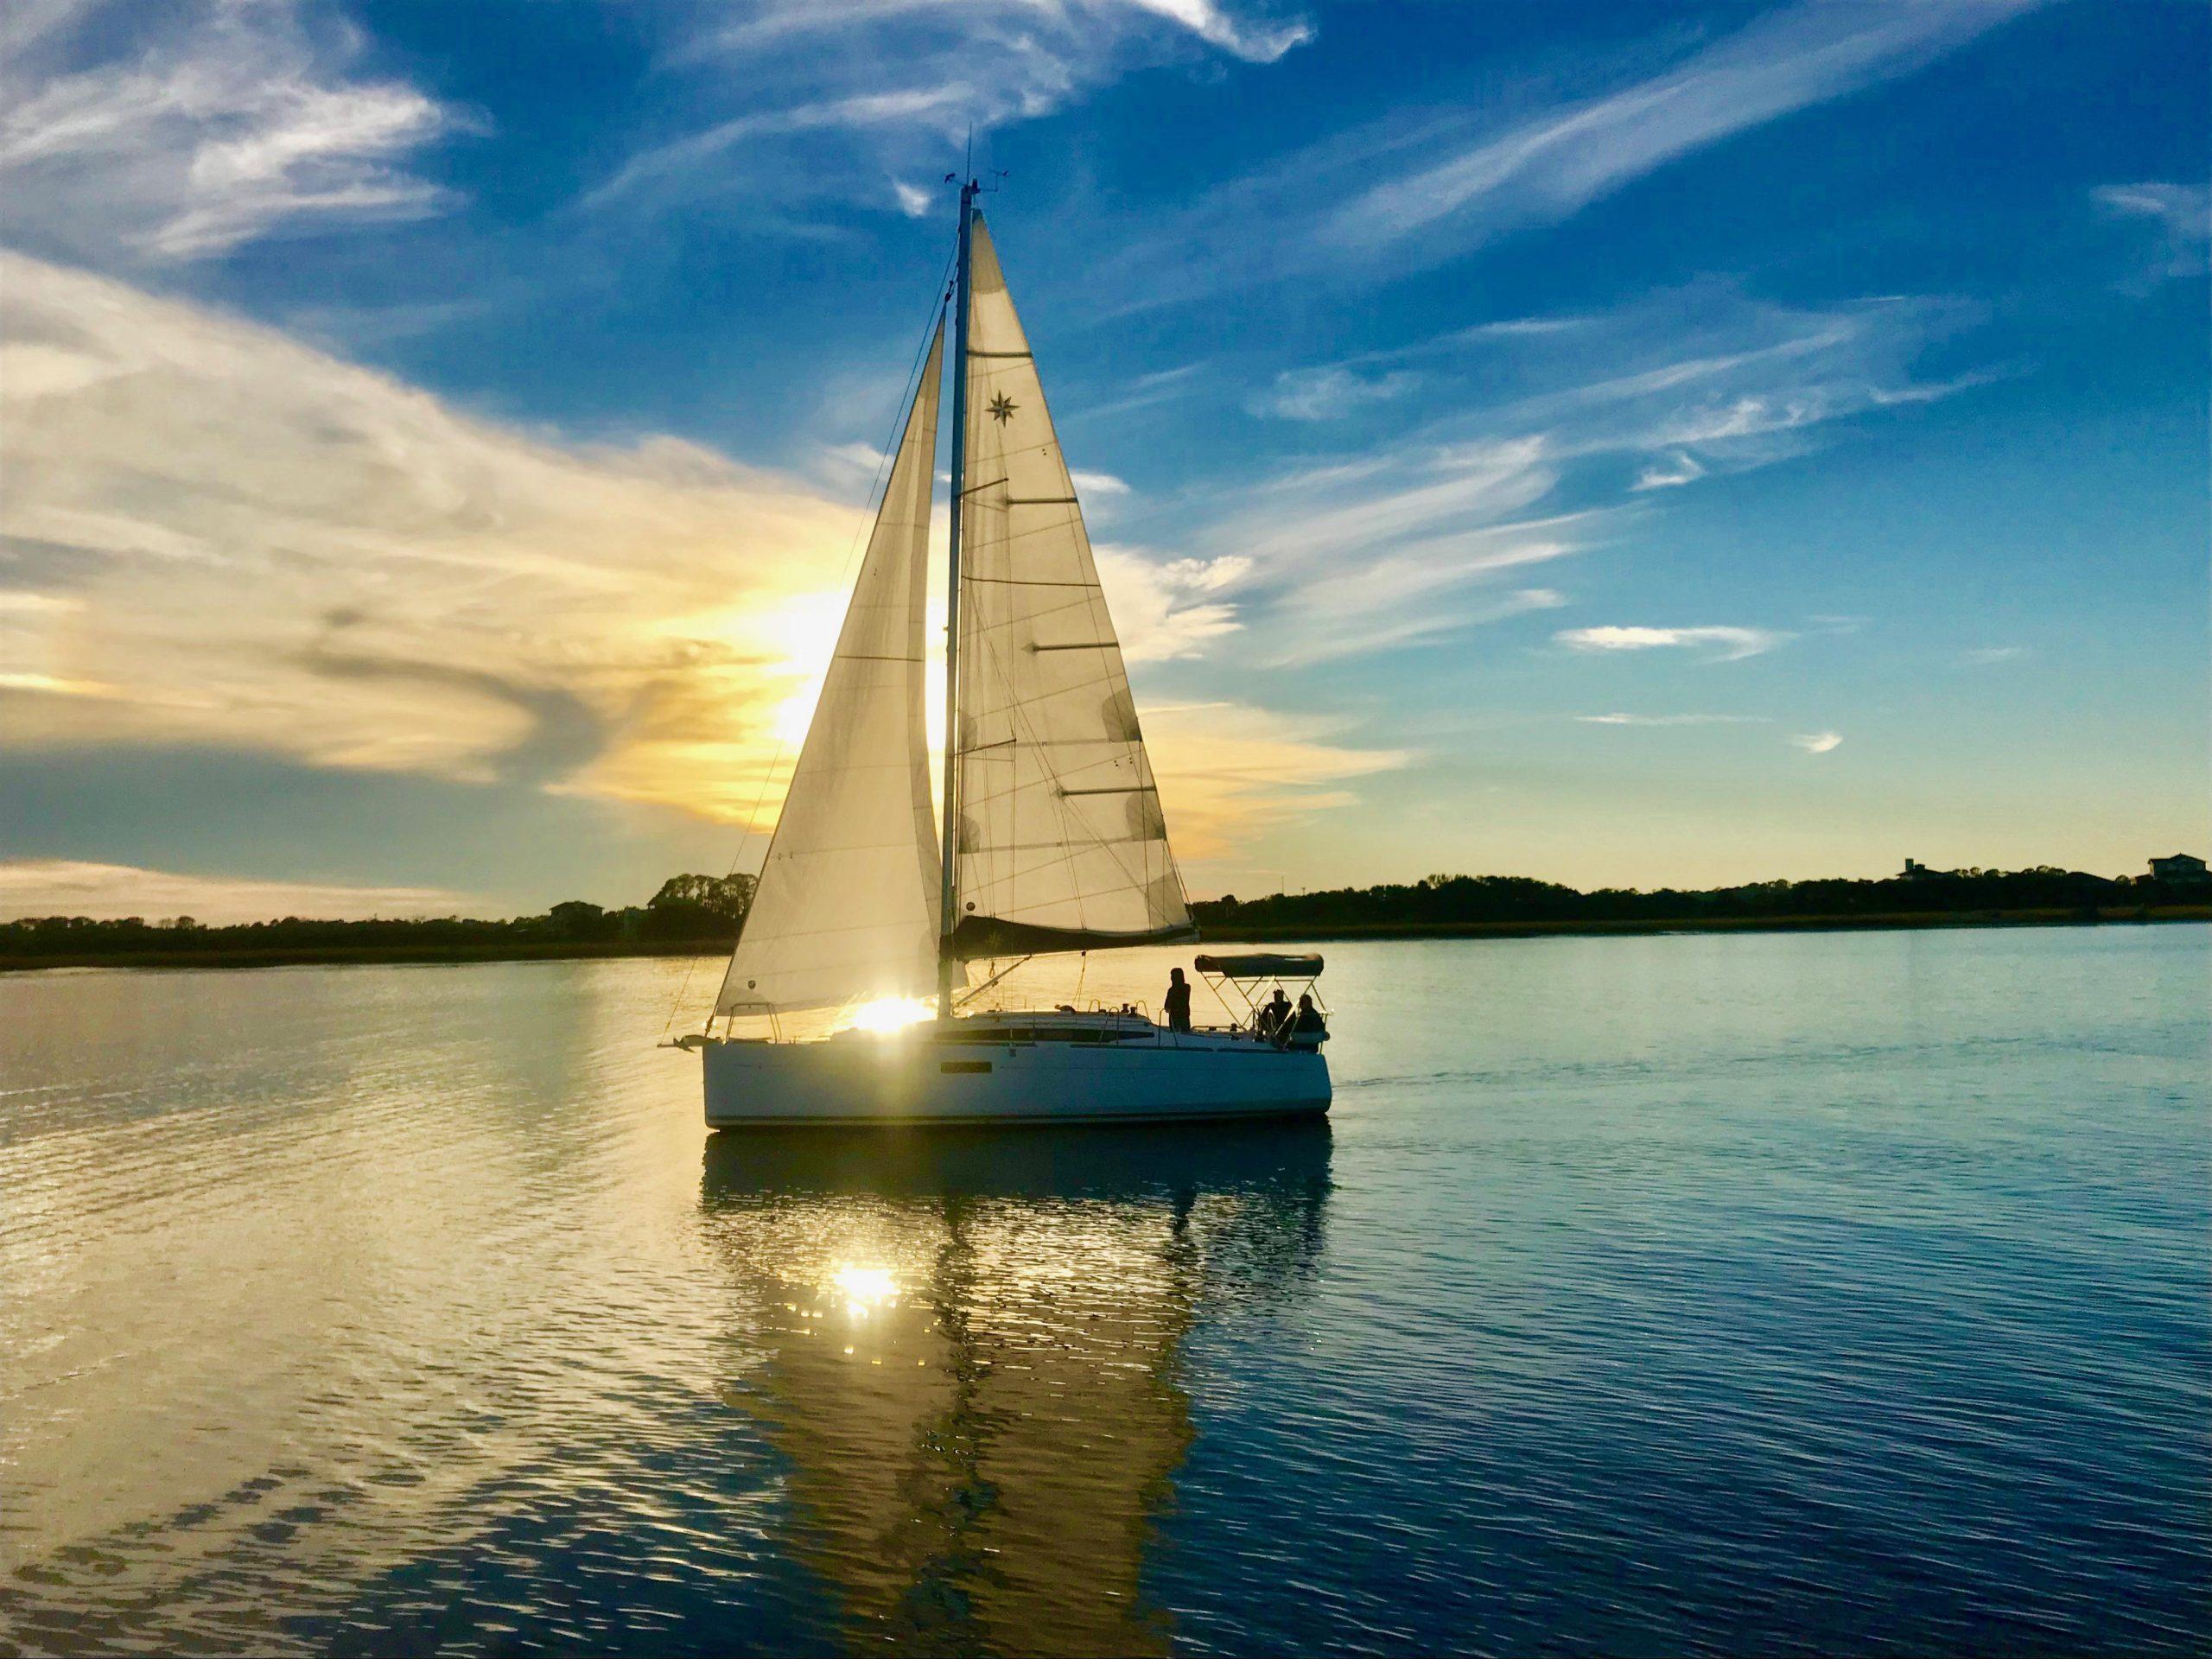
847	905
1061	842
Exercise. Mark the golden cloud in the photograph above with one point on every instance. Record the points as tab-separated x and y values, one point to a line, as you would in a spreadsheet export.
215	535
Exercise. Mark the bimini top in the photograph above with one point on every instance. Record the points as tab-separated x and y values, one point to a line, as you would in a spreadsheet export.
1261	965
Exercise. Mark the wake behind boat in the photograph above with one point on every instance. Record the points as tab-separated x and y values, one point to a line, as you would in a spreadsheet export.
1052	839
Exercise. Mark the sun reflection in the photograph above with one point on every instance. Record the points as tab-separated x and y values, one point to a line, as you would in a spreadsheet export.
889	1013
865	1288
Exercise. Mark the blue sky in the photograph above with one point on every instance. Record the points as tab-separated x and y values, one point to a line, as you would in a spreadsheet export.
1622	444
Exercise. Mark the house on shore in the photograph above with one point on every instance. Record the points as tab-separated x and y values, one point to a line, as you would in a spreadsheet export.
2180	870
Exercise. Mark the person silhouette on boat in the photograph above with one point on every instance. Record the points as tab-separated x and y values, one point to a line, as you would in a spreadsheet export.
1307	1028
1275	1017
1176	1003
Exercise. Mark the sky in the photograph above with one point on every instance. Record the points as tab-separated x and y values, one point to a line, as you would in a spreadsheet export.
1623	444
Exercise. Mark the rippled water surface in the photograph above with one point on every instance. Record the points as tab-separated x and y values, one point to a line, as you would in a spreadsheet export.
1832	1291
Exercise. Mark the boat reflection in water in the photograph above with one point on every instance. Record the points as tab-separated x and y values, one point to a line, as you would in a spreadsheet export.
969	1347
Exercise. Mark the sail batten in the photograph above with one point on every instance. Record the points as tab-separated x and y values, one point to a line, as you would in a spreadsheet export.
847	907
1061	845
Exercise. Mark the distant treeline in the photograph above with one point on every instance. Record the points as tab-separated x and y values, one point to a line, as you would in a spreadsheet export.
1445	901
703	913
701	910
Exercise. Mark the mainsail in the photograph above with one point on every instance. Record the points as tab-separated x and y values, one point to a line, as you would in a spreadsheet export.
847	905
1061	842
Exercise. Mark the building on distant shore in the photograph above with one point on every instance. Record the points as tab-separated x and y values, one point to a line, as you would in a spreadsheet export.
1914	869
2181	869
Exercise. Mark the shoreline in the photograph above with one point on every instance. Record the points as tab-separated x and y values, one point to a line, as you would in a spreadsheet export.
401	955
1885	922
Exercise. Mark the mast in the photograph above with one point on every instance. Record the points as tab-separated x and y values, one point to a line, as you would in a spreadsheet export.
948	887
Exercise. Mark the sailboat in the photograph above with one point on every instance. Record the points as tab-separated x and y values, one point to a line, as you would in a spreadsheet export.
1052	837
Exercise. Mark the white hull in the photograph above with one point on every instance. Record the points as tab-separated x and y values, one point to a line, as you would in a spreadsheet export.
1091	1070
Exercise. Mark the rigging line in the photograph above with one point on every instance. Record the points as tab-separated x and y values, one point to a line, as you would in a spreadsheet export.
972	991
878	486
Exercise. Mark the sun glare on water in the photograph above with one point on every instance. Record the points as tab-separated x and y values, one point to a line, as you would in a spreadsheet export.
866	1287
890	1014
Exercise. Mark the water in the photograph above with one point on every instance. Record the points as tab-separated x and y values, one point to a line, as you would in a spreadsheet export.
1828	1292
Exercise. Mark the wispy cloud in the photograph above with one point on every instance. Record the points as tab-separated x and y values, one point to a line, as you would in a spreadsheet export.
1410	537
1709	379
1145	391
680	158
1727	644
55	886
1391	605
1676	470
2181	216
1411	192
1402	501
189	128
1167	607
852	470
1391	548
785	99
1551	166
1255	40
1986	656
1327	393
1817	742
1675	720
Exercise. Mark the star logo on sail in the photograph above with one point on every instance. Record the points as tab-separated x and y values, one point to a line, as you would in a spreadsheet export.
1002	409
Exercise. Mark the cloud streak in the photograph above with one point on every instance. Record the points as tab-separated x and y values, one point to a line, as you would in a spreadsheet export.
1552	166
1409	538
2181	216
1673	474
209	125
1413	192
1326	394
1393	548
856	86
1728	645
